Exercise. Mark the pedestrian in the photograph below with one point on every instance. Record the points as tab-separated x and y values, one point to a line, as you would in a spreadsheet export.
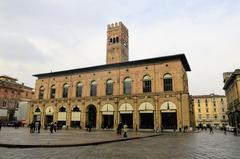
31	127
119	128
225	130
90	127
211	130
235	131
125	130
0	125
55	127
39	127
51	127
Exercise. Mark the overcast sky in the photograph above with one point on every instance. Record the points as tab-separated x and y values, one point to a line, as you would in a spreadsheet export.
44	35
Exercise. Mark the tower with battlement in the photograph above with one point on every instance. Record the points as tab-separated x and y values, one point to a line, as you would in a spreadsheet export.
117	43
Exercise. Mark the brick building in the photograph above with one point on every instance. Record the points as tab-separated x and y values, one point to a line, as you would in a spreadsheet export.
145	94
11	93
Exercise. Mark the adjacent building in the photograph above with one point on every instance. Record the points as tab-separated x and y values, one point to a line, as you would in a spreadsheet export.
232	90
11	94
210	110
145	94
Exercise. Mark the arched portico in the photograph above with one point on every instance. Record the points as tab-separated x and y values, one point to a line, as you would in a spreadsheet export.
107	116
126	114
91	116
49	115
168	112
146	116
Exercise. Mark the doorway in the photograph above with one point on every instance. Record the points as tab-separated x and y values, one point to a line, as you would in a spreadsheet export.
169	120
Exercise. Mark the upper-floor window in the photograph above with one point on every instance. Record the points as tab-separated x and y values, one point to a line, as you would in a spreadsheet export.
147	84
223	116
53	92
223	110
93	91
127	85
207	116
65	90
76	109
215	110
222	100
167	81
79	89
199	116
207	110
62	109
198	101
41	92
109	87
199	110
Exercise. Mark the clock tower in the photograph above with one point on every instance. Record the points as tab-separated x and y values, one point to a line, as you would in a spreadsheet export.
117	43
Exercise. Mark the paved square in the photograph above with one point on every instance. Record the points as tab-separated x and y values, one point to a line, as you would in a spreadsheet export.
184	146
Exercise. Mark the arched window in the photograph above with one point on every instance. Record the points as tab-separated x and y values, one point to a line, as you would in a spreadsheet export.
93	91
53	92
109	87
79	89
76	109
167	81
127	86
65	91
117	40
62	109
113	40
41	92
37	110
147	84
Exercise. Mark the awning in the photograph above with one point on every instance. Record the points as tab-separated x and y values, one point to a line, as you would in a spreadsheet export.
168	106
146	107
62	116
76	116
126	108
107	109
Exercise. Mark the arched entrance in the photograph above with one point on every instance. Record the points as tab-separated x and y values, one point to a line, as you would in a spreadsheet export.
168	115
62	117
126	114
37	115
76	116
91	116
107	116
49	115
146	116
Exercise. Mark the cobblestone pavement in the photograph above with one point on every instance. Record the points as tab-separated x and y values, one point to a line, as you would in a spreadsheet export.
22	136
167	146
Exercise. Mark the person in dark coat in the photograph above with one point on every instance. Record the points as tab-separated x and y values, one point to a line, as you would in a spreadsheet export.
0	125
51	128
211	130
119	128
39	127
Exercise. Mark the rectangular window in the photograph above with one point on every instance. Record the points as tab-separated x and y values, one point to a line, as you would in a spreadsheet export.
53	92
222	109
215	110
223	116
127	88
215	116
168	84
199	116
65	92
198	104
93	90
109	89
79	91
147	86
199	110
207	110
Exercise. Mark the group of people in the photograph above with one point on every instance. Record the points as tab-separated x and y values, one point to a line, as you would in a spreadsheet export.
35	126
120	127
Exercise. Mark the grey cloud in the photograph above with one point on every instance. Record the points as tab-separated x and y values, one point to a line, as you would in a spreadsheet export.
14	48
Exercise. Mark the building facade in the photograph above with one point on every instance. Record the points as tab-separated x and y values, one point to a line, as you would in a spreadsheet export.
144	94
11	93
210	110
232	90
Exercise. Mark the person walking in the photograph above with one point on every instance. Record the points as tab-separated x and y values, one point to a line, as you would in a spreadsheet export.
39	127
51	127
55	127
211	130
225	130
0	125
119	128
125	130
